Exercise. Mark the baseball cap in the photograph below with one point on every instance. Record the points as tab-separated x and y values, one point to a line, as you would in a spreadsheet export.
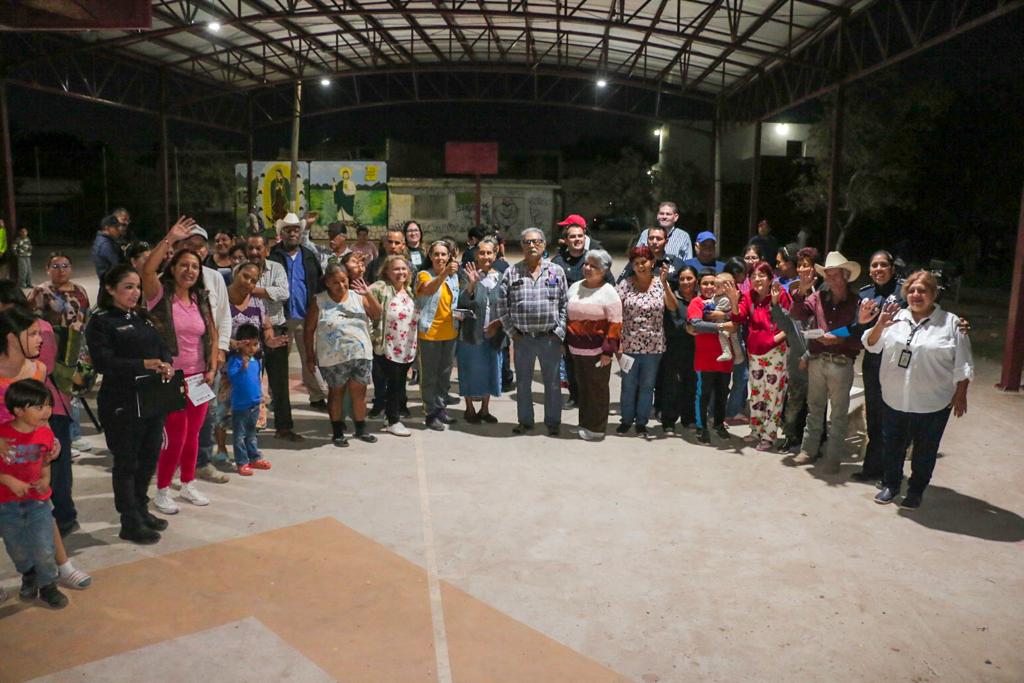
574	219
706	235
199	230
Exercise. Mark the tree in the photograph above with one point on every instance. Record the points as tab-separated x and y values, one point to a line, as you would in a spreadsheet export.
885	129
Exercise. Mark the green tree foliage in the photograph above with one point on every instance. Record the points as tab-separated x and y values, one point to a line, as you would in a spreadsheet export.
886	128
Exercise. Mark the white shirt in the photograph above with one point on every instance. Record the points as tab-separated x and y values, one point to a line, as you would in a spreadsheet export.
940	357
218	291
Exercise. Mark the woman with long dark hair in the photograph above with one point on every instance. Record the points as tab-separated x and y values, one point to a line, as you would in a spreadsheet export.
678	376
180	309
124	345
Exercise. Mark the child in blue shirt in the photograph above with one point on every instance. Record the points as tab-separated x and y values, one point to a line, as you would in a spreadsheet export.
246	392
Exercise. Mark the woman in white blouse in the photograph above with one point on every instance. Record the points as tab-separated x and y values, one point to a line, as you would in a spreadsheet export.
926	368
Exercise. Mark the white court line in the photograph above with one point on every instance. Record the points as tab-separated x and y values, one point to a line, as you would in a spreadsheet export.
444	666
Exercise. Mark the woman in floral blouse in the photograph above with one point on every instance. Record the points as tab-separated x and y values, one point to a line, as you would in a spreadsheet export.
766	348
394	336
337	340
644	300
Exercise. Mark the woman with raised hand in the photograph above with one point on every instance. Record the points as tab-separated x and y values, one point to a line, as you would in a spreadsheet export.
926	368
592	335
337	337
180	308
479	356
644	301
437	291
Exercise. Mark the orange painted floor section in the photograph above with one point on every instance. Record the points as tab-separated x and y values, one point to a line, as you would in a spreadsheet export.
348	604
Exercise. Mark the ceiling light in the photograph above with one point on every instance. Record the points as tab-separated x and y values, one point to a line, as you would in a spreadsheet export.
601	83
781	128
325	82
657	132
214	26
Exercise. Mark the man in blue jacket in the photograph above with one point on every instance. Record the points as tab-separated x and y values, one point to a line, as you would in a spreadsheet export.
106	248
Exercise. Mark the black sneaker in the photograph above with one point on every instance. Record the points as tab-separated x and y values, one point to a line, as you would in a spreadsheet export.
320	405
554	430
622	429
885	496
865	477
703	436
451	401
721	431
70	528
375	412
52	596
641	431
340	441
522	429
153	522
29	586
911	501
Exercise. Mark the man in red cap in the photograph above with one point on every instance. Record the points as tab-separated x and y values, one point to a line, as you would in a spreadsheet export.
576	219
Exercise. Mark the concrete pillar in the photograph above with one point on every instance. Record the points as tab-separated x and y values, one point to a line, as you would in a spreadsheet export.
296	123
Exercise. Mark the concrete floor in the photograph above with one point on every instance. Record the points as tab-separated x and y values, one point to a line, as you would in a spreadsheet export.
474	555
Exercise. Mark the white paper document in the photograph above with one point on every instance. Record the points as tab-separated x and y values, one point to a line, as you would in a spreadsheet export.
625	363
199	392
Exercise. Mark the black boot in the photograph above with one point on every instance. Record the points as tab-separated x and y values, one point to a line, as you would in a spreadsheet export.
152	521
361	432
134	529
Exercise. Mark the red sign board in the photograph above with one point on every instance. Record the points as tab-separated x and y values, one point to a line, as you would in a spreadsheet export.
471	158
76	15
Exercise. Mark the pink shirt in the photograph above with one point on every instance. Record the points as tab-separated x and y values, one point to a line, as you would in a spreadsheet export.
757	316
189	328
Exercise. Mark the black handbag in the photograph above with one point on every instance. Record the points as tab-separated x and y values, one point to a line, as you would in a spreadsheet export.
154	396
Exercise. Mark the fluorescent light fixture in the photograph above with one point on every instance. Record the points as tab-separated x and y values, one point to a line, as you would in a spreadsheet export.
781	128
214	26
601	83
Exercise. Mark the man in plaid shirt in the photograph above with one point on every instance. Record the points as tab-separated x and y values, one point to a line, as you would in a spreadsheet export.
532	311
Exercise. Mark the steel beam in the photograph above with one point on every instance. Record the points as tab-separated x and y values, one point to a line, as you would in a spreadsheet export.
755	183
835	165
1013	345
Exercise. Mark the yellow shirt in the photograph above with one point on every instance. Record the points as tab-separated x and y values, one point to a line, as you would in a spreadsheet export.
443	327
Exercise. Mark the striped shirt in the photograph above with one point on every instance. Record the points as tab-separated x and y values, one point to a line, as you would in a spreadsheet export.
595	320
533	306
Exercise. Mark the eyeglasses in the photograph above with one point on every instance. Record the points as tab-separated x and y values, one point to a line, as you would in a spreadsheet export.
533	241
60	266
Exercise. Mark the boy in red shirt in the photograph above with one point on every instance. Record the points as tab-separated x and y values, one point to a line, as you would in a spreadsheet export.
26	521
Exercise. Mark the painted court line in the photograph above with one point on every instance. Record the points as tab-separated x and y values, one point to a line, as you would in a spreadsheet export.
444	667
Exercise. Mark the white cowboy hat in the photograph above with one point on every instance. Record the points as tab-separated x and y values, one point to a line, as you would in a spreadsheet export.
837	260
289	219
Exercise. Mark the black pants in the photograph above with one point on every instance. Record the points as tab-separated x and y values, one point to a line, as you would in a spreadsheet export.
506	367
570	376
392	393
713	386
676	386
873	456
135	444
61	478
379	372
924	432
276	362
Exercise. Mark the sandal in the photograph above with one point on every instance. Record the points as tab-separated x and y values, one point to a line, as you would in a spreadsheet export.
368	438
486	417
472	418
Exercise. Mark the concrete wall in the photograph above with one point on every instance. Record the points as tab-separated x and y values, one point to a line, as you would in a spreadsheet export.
447	206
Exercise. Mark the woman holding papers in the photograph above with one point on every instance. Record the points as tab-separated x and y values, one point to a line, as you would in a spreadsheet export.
180	307
644	300
124	345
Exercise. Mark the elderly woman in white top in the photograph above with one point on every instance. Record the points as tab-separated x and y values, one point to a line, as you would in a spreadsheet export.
926	368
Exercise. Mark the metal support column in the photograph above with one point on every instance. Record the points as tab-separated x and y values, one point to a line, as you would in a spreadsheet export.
717	182
296	121
1013	351
836	165
250	196
165	179
709	223
755	181
10	214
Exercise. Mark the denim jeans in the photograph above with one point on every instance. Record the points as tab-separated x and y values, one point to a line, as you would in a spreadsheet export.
243	431
27	529
924	431
738	394
61	476
76	420
828	384
548	350
637	395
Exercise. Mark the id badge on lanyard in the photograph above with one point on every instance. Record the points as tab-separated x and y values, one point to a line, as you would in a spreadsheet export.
906	354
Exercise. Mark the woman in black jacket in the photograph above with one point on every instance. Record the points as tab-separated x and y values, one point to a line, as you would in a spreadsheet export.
124	345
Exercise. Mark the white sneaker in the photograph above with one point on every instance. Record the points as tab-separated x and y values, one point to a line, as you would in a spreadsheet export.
398	429
190	493
588	435
163	502
81	445
724	357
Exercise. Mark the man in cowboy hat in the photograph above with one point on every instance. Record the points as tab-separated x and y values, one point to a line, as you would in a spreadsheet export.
831	356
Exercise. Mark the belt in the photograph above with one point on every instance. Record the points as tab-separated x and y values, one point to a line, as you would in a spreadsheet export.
537	335
837	358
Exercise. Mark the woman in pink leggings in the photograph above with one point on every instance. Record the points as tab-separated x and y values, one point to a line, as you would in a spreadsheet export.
179	304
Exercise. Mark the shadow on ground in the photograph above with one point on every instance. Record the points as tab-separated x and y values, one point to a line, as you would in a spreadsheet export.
947	510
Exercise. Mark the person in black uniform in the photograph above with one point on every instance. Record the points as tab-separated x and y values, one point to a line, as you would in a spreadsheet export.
124	345
884	284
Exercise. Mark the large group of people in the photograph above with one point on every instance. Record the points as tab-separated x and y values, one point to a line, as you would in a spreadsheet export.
191	343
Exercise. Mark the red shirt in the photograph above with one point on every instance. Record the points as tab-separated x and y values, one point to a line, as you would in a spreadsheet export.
706	346
757	316
25	457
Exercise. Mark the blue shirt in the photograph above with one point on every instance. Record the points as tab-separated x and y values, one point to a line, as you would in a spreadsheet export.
719	266
296	306
246	390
